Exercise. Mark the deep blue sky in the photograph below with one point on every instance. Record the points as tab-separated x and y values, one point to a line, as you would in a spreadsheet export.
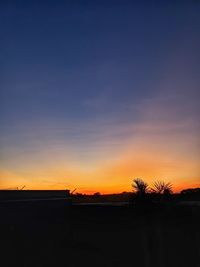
77	72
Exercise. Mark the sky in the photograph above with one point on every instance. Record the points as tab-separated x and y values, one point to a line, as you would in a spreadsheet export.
96	93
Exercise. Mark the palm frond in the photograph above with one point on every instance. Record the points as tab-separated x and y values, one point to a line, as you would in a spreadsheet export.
140	186
161	187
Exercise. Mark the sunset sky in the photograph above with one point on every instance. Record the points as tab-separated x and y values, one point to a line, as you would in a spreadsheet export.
96	93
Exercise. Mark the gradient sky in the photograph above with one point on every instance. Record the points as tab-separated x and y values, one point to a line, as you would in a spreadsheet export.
96	93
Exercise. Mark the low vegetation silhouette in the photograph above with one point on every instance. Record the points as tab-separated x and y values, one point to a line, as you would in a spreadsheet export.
161	187
146	196
140	186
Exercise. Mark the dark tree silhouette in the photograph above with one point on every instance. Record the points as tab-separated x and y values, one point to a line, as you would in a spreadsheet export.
139	186
161	187
97	194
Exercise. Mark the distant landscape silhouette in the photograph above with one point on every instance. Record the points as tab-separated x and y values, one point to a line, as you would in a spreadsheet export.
157	227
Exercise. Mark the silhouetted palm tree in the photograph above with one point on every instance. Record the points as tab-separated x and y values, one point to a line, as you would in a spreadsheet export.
139	186
161	187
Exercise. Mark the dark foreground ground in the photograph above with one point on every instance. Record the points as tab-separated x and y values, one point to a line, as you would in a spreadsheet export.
52	233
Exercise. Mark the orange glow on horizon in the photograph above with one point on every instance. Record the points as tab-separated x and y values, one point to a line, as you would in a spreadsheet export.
153	150
91	188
